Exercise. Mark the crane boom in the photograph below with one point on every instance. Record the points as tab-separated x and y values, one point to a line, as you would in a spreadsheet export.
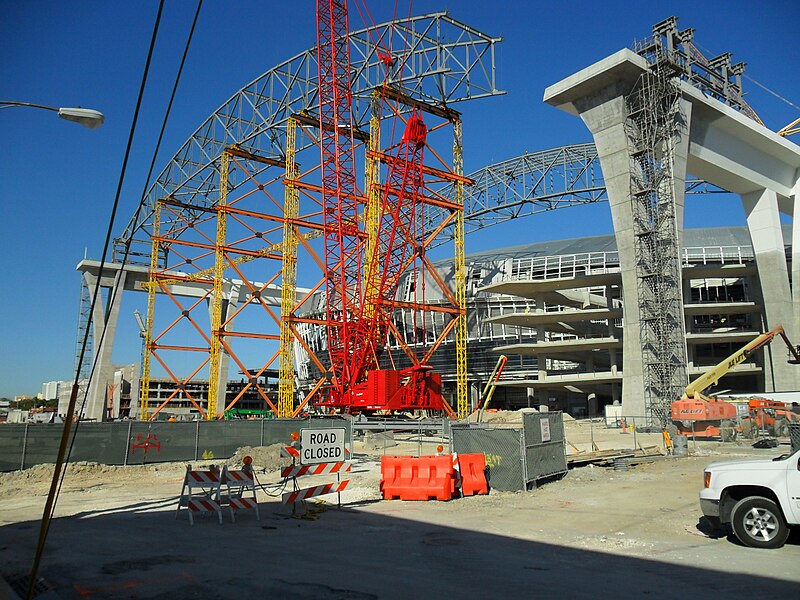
712	376
339	200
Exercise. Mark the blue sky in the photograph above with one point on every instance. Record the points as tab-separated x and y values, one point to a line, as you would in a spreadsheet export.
58	179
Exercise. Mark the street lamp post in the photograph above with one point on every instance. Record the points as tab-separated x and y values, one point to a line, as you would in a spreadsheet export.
87	117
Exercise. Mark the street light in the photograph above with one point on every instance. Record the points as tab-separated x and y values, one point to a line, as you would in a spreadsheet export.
85	116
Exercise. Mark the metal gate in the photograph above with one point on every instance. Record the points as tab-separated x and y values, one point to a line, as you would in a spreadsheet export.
517	458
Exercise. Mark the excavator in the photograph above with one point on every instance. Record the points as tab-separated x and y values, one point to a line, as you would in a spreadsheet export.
704	416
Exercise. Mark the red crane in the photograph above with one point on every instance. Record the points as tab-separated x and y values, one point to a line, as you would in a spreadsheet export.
359	317
342	237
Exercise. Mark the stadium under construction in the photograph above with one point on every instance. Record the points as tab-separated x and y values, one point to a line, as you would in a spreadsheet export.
283	309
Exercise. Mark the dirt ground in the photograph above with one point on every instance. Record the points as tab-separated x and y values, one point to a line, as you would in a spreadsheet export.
596	532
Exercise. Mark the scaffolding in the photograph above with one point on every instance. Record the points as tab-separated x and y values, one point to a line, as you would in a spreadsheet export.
652	125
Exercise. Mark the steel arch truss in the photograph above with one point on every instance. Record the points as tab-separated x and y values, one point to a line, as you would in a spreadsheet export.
537	182
442	62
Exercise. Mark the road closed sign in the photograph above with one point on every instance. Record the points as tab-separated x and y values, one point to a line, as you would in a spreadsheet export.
321	446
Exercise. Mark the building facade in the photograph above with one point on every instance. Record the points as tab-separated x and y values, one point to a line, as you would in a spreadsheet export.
555	309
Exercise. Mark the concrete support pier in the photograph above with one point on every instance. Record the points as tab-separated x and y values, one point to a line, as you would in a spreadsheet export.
715	143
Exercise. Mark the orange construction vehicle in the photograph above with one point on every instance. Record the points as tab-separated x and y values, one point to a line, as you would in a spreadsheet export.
769	416
703	416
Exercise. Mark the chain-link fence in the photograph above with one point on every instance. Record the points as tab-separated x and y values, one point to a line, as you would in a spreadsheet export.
794	436
517	458
503	449
544	446
407	437
140	442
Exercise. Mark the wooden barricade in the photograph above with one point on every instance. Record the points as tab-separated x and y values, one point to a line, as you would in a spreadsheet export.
201	492
294	471
240	491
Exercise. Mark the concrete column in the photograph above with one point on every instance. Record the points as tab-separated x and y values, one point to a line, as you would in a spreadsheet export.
687	297
604	113
796	257
541	360
104	328
612	352
531	395
230	300
766	235
591	404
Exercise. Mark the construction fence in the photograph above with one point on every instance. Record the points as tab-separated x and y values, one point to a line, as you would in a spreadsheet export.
517	458
142	442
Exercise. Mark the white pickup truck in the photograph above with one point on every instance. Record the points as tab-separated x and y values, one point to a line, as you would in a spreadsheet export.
759	498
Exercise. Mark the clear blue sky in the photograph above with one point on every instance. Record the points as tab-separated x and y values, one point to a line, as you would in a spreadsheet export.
58	179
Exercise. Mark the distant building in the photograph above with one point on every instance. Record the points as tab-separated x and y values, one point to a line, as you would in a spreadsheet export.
50	390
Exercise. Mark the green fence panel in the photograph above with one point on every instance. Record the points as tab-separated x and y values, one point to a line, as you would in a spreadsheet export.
544	445
103	443
42	443
161	441
502	449
137	442
12	444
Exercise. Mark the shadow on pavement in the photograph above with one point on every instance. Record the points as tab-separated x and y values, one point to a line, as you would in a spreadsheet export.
143	551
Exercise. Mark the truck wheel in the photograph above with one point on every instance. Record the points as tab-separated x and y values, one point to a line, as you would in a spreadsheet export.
727	433
758	523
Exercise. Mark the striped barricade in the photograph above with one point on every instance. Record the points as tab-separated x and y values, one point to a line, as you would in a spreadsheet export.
201	493
319	490
321	469
240	488
295	470
290	452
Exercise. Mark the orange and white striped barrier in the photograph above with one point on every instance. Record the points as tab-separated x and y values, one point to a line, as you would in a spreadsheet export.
290	452
321	469
312	492
299	470
200	493
456	471
203	478
240	487
204	505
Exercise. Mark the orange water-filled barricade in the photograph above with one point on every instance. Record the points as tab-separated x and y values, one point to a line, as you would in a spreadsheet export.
423	478
472	470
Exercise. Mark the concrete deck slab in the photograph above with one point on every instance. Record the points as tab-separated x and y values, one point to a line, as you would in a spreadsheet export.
721	337
565	346
529	288
532	319
560	381
721	308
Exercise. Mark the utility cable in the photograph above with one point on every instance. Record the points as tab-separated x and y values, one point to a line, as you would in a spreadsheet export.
52	496
776	94
126	255
761	85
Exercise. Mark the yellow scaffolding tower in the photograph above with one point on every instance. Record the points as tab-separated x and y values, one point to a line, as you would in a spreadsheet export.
144	388
291	210
461	277
372	209
214	387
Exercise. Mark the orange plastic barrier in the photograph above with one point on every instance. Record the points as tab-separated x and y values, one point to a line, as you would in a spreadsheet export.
424	478
473	474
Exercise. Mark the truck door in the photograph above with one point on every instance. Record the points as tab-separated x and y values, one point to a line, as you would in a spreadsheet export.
793	488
